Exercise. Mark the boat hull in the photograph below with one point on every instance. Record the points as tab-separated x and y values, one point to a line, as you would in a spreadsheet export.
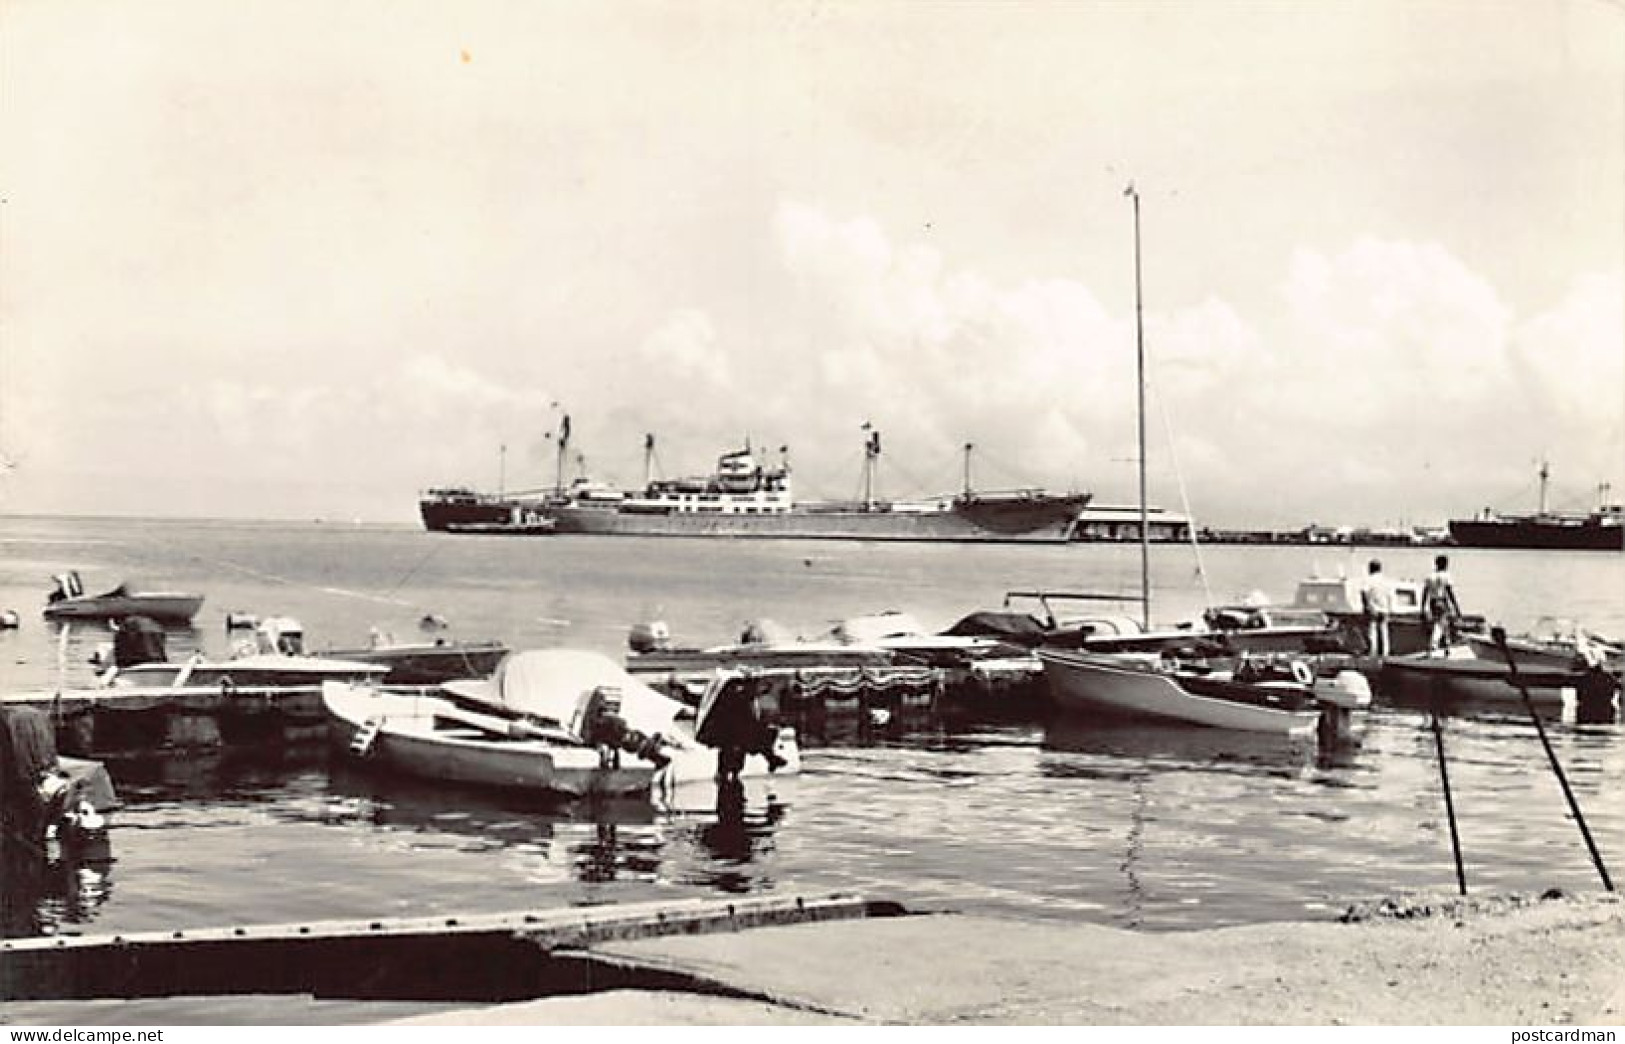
1048	520
454	514
429	663
178	608
1539	535
1424	680
429	738
1085	683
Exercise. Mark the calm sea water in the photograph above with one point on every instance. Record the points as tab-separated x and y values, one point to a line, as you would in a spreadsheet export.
1155	828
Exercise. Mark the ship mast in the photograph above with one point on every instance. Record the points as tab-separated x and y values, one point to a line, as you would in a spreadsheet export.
1139	355
648	459
502	470
1545	473
871	461
968	447
564	446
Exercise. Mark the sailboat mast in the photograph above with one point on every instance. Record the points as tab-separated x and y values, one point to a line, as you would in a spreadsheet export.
1139	356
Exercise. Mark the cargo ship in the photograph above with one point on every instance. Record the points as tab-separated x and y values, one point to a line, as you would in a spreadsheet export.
458	509
1600	530
743	498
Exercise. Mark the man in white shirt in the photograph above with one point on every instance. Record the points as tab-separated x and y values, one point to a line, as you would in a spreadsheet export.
1377	599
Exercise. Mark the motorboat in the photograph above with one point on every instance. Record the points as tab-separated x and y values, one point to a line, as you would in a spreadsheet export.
68	601
433	738
1284	697
556	721
1552	642
1457	675
1248	626
273	659
423	662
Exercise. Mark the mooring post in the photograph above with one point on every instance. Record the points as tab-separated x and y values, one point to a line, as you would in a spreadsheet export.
1499	635
1444	778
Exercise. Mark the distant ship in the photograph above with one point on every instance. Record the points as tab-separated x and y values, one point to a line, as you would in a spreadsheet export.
743	498
1599	530
458	509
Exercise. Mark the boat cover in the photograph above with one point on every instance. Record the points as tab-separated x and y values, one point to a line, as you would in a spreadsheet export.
550	683
1018	628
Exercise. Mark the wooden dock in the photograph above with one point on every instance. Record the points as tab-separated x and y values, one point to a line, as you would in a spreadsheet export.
109	722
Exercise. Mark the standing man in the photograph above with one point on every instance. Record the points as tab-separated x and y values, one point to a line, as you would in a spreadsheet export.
1439	606
1377	599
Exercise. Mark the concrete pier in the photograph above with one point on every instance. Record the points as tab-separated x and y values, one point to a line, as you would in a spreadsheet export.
834	960
1448	962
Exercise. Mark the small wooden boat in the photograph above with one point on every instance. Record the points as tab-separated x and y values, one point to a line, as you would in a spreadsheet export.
69	602
1153	686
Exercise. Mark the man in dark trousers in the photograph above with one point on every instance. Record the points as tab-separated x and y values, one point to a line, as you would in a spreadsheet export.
729	722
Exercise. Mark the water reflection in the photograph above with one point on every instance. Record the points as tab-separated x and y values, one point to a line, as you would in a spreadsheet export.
46	889
1122	747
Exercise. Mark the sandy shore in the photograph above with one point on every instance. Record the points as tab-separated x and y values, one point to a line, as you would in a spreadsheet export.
1507	961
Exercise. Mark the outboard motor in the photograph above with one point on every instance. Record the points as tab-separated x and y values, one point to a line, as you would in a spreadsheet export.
599	722
137	640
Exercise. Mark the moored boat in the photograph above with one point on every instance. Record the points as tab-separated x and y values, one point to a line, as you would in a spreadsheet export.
68	601
1458	676
433	738
1152	686
551	721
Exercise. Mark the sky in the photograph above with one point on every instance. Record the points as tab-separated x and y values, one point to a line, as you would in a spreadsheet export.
302	260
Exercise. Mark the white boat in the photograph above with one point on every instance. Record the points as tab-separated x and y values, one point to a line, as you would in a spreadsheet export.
528	727
69	602
1147	685
433	738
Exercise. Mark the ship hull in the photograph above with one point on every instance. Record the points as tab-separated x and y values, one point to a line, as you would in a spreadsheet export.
442	516
1049	521
1543	536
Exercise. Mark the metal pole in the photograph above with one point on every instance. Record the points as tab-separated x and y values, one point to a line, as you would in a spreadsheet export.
1139	355
1444	779
1499	634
